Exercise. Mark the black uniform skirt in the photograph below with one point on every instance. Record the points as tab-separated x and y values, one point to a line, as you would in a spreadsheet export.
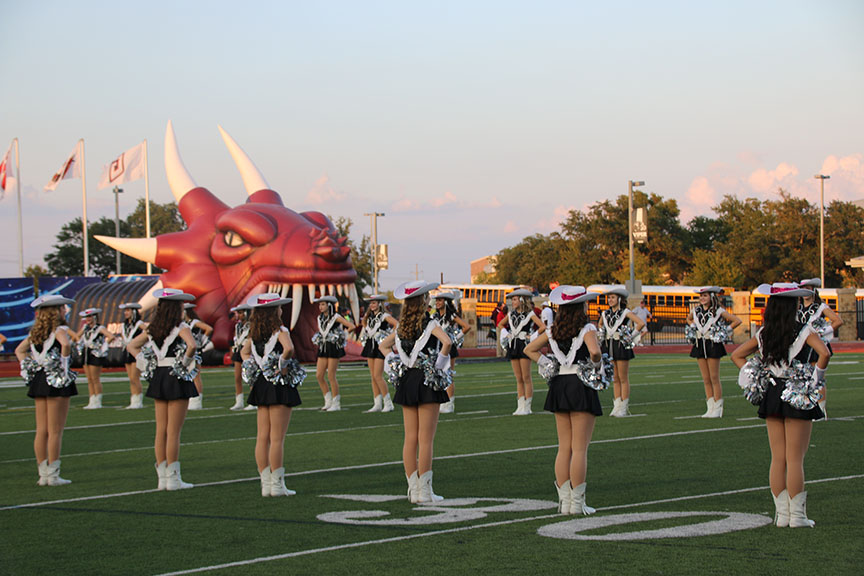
90	360
412	390
370	350
235	357
165	386
128	358
454	351
38	388
772	405
809	356
616	350
331	350
567	393
707	349
264	393
516	349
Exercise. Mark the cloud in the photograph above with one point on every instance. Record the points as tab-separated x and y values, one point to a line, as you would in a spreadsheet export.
769	180
322	192
510	227
446	201
553	223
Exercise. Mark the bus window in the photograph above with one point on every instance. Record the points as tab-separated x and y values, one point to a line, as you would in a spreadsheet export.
679	301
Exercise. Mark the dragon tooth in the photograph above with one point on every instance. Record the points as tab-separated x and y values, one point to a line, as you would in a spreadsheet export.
355	302
339	289
321	290
284	291
330	290
296	304
311	292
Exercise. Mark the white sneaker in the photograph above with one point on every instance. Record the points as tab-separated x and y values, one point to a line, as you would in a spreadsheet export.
447	407
238	402
196	403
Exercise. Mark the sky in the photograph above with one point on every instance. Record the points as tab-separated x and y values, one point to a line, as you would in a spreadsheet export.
471	125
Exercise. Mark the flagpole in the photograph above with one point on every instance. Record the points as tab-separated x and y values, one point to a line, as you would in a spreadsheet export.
18	186
147	201
84	201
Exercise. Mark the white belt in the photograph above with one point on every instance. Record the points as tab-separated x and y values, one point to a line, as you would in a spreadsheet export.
166	362
568	369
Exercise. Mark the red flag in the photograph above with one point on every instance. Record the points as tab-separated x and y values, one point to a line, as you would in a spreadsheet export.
5	169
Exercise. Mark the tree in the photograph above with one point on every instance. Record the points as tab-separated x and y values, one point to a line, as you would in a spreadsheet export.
35	271
534	262
361	256
164	218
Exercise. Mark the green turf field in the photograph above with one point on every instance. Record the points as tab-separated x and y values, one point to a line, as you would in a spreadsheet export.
350	514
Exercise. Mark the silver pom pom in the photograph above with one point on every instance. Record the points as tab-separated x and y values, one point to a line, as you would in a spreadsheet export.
29	368
824	329
381	335
691	333
456	335
394	369
249	371
754	379
548	370
147	362
294	374
721	333
597	378
179	369
802	389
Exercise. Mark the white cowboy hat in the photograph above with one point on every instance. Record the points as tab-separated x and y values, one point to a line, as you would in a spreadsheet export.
130	306
814	282
788	289
413	289
268	300
377	297
50	300
709	289
244	307
90	312
618	291
172	294
189	306
564	295
331	299
521	292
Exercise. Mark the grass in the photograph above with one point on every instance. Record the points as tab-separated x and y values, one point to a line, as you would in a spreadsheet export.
110	520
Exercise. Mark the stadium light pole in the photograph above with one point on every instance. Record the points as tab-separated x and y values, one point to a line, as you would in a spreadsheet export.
117	191
374	218
630	186
822	178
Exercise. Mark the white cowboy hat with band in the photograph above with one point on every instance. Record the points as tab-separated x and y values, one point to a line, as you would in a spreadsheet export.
172	294
50	300
564	295
785	289
268	300
413	289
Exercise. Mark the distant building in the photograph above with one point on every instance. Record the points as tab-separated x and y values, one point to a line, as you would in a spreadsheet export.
485	265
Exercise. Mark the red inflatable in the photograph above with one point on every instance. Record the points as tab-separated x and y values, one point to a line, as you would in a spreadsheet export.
228	254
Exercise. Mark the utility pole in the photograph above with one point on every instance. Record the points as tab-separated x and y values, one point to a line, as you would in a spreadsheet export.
117	191
374	218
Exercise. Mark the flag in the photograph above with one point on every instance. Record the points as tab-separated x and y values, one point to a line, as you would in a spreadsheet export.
71	169
6	176
127	167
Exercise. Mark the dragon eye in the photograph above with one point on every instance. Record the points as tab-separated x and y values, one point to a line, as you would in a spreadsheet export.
233	239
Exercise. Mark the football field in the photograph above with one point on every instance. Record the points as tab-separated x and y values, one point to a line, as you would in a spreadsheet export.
674	493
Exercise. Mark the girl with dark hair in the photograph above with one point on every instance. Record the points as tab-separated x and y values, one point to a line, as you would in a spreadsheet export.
132	326
617	338
241	334
448	317
709	327
376	326
330	340
201	332
269	367
44	357
168	350
421	374
824	321
520	322
93	340
571	397
786	392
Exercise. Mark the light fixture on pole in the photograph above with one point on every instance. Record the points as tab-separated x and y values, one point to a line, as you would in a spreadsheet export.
822	178
631	286
117	191
374	218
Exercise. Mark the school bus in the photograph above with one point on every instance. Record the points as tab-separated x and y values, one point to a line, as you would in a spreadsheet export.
486	295
828	296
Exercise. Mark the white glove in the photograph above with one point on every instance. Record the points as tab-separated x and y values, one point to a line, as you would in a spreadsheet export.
189	362
64	363
818	374
544	361
442	362
283	363
597	365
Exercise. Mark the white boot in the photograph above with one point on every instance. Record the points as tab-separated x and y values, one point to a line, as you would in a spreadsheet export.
95	402
377	405
623	408
528	400
162	475
781	509
388	403
718	409
708	413
238	402
823	404
328	400
43	473
277	484
520	407
136	401
577	501
798	512
335	404
447	407
425	493
250	407
563	497
196	403
616	407
266	482
53	477
413	487
173	481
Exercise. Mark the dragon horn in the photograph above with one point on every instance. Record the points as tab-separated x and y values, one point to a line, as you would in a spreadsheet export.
178	177
252	178
143	249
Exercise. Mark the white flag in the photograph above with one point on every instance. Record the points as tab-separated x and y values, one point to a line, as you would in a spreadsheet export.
71	169
6	177
127	167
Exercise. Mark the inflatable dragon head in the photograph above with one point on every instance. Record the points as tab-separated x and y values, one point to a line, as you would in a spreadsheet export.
228	254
